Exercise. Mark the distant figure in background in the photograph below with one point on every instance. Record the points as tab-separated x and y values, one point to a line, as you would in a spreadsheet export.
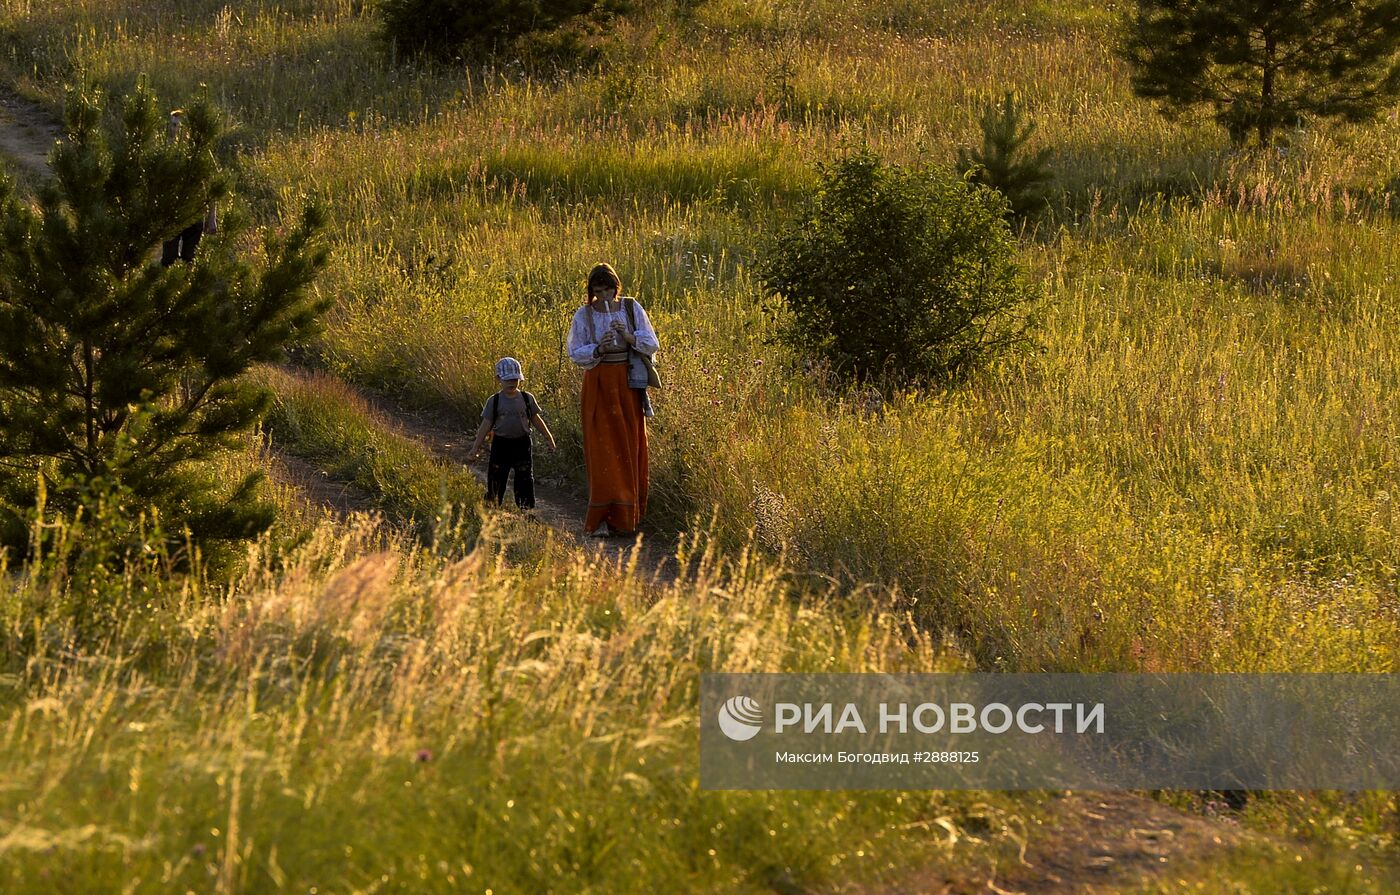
509	414
182	247
604	334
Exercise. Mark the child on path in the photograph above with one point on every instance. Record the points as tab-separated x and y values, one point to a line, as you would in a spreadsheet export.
510	413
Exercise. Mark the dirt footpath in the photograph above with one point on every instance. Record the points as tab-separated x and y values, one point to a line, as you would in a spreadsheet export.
556	507
1087	843
27	134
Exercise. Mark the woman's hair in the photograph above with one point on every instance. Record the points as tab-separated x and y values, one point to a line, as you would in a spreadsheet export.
603	275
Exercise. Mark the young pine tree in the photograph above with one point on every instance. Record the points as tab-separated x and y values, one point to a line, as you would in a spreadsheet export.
1264	65
120	376
1001	164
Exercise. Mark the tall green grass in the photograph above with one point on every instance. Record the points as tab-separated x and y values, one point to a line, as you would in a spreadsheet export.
368	716
359	714
1195	473
318	418
1198	472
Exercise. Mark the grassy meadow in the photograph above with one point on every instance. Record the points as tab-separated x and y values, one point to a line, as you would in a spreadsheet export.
1197	470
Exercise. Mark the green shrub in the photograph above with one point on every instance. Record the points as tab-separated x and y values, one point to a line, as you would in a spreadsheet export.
104	570
447	28
905	274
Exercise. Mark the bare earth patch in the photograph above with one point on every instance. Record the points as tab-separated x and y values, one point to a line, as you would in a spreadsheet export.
27	134
1087	843
1100	842
339	498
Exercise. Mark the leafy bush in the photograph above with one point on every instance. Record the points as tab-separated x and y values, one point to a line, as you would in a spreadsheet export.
446	28
902	273
105	570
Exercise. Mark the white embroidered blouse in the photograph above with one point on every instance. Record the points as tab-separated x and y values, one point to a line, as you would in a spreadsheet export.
583	337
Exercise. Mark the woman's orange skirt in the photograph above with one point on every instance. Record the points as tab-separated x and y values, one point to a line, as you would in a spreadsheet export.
614	449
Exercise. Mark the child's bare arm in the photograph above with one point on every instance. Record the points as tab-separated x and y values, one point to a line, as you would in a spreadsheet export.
481	431
538	422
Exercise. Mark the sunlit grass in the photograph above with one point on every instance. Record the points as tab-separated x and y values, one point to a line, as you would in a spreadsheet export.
318	418
362	714
1206	435
1198	471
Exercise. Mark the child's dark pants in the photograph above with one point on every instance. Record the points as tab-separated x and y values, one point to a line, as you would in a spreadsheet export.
182	247
508	454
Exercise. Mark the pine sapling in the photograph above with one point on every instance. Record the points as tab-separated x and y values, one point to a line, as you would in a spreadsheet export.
1001	162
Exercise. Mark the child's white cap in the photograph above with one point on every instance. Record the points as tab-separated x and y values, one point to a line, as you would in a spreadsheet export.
509	368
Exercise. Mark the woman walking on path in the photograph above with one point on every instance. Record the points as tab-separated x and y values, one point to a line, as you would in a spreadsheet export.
604	333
